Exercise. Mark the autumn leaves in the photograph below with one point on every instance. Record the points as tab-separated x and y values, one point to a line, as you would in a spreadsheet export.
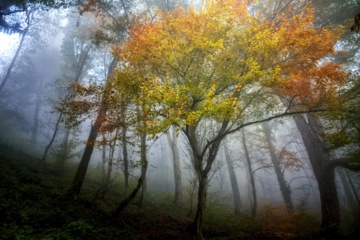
192	64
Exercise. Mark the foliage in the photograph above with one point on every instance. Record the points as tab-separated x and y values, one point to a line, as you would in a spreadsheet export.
193	65
278	222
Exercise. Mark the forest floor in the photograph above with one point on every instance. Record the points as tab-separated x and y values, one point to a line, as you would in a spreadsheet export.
34	205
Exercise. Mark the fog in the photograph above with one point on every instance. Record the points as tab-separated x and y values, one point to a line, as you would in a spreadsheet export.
64	102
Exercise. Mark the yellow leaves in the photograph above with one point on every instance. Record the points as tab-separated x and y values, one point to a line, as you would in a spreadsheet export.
195	64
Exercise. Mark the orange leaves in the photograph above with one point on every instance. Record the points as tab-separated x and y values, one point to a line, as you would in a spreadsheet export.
212	63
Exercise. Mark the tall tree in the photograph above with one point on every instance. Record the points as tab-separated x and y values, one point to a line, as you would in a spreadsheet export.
108	11
203	67
90	143
324	170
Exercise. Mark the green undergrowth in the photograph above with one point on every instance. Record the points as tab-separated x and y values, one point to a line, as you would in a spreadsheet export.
34	205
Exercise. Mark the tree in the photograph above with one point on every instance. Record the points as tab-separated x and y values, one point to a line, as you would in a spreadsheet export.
8	8
284	187
195	68
172	139
95	128
233	180
76	49
119	25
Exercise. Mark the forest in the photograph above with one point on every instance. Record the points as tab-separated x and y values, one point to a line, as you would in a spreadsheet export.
179	119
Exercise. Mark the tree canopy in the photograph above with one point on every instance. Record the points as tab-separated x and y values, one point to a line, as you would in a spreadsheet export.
192	64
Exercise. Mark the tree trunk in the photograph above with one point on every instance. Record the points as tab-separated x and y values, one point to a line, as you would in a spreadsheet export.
129	198
43	159
8	72
233	180
144	165
143	169
65	149
324	174
84	162
35	127
201	206
79	67
284	187
354	191
125	157
202	168
347	189
177	169
251	175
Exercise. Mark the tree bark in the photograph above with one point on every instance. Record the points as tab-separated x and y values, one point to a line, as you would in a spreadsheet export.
324	173
233	180
177	169
284	187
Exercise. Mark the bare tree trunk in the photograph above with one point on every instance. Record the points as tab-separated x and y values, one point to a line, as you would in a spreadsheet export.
8	72
284	187
177	169
325	176
84	163
251	175
233	180
43	159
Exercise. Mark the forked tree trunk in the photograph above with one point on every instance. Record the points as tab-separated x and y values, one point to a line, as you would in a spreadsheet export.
284	187
202	166
325	175
144	165
233	180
